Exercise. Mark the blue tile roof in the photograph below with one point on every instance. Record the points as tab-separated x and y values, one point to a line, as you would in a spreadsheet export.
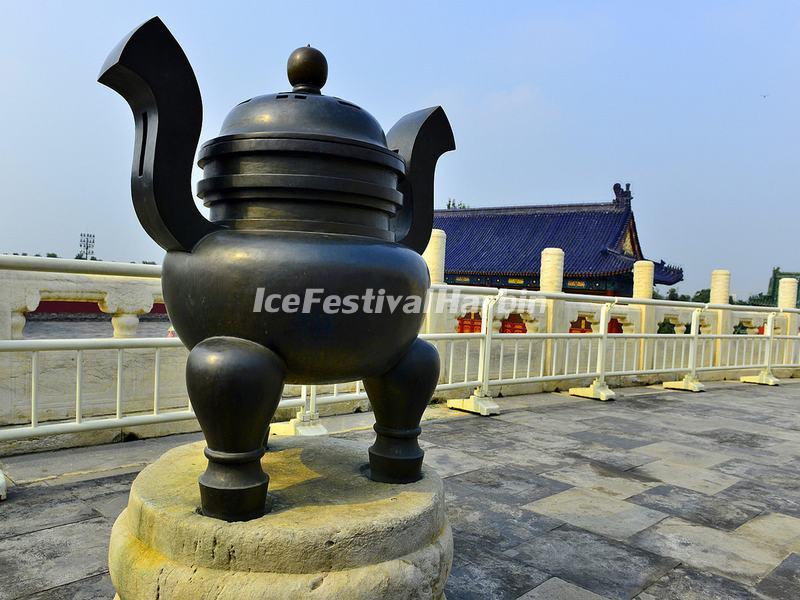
509	240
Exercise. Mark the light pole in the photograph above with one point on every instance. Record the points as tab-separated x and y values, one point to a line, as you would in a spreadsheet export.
86	247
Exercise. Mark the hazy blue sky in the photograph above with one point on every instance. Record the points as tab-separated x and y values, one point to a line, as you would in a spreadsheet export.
550	102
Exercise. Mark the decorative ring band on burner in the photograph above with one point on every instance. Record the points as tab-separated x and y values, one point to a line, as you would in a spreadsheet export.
324	145
297	182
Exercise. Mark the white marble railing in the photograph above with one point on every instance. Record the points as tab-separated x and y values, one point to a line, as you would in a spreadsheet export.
124	291
514	338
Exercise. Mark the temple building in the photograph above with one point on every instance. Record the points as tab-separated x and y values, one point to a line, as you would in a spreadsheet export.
501	247
771	296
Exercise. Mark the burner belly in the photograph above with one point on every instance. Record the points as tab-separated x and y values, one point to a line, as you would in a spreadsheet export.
364	299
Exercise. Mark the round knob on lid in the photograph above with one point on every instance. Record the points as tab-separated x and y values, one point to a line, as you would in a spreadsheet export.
307	69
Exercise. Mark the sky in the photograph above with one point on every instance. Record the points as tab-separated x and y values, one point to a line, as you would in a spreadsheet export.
696	104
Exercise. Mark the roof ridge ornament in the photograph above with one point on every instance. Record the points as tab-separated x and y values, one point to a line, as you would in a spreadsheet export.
623	197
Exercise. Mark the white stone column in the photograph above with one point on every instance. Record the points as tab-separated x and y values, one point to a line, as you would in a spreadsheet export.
551	279
721	294
434	255
643	280
720	286
787	292
436	321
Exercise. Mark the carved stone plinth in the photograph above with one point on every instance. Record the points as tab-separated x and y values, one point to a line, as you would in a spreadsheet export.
332	533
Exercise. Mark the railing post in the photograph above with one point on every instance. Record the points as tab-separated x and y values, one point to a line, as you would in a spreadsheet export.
598	390
765	376
118	395
34	389
690	382
485	360
157	381
307	421
481	401
79	386
3	487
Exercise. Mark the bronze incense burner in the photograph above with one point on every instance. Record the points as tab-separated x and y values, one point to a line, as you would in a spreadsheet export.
305	192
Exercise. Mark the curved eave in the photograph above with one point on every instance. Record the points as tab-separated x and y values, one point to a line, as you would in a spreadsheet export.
536	274
664	274
667	275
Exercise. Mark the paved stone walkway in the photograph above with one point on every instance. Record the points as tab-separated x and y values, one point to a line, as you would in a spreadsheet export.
658	495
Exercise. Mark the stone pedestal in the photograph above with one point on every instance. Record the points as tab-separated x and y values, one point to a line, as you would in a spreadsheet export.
332	532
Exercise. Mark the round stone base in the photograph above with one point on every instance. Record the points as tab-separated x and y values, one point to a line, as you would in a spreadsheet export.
332	532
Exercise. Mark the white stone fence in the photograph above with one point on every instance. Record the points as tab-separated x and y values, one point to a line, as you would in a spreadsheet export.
124	291
558	340
490	341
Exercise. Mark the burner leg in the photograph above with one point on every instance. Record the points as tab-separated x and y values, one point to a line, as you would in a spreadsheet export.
235	386
399	398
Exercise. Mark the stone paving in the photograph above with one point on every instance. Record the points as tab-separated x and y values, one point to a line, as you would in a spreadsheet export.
657	495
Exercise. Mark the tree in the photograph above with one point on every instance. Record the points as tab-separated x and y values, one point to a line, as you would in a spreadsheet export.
760	300
49	254
704	297
453	204
672	294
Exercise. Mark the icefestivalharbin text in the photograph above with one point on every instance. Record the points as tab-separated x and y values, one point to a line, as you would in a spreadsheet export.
378	301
